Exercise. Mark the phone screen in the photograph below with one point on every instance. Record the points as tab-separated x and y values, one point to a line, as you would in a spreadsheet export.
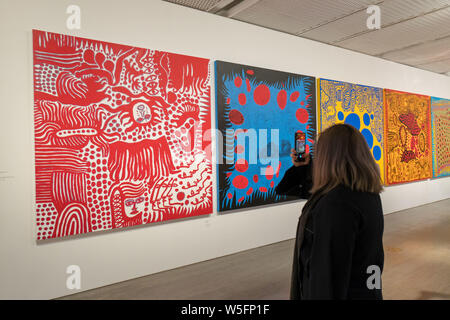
300	142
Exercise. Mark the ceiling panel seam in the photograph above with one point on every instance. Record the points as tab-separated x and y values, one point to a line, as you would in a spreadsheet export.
413	45
356	35
424	64
336	19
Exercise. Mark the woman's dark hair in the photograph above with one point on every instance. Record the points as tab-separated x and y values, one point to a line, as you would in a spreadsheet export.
343	157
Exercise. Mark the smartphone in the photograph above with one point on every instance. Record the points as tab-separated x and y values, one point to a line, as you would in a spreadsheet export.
300	145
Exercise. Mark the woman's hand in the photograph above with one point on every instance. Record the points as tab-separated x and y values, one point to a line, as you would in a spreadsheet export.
299	163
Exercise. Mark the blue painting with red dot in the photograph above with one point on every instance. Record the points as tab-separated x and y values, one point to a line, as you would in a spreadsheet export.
258	112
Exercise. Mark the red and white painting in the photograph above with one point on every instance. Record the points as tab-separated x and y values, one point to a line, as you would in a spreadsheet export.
119	135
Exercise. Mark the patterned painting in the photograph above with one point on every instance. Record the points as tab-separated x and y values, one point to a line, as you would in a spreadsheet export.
258	113
118	135
407	137
357	105
440	125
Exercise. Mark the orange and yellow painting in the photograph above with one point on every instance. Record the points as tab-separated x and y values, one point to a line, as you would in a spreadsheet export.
407	132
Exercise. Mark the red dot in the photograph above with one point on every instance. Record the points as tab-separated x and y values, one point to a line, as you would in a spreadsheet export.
269	172
263	189
255	178
237	82
242	99
241	165
307	148
251	72
180	196
229	195
294	96
278	169
249	191
247	82
240	182
228	100
261	95
272	184
236	117
282	99
109	65
99	58
241	199
239	149
302	103
302	115
89	56
171	97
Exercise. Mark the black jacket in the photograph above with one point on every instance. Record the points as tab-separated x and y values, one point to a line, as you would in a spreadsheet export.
342	238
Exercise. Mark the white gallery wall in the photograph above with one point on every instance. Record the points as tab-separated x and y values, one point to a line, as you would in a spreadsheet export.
33	270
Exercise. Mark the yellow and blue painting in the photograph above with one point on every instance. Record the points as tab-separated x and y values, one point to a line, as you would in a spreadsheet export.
258	113
440	128
357	105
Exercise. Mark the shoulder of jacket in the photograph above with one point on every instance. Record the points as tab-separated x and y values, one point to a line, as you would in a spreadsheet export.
338	199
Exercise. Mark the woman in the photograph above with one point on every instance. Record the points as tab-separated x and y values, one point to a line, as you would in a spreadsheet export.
339	234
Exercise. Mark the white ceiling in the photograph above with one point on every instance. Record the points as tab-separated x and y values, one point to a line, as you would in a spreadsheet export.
413	32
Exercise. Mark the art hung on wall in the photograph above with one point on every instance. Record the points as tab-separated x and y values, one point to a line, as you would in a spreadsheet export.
440	127
118	135
258	112
407	137
357	105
